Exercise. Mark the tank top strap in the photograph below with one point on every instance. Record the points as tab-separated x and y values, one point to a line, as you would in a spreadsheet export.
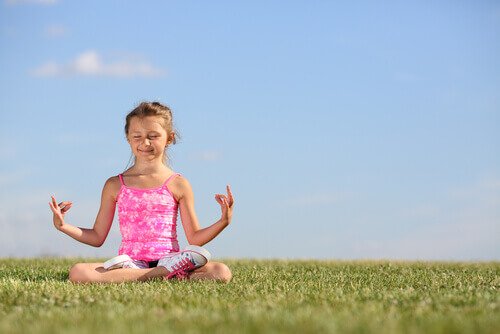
120	176
171	177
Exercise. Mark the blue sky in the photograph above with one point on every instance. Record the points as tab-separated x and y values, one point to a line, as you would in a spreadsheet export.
347	130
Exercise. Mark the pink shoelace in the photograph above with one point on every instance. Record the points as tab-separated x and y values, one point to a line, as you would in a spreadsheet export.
181	269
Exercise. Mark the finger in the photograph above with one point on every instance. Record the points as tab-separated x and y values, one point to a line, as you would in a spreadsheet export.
53	205
224	205
223	202
229	193
218	199
54	202
66	208
53	208
63	205
59	206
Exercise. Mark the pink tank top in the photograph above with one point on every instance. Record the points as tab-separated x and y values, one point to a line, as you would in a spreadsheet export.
148	221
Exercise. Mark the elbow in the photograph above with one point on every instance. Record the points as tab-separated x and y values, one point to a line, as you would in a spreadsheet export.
98	240
194	241
98	243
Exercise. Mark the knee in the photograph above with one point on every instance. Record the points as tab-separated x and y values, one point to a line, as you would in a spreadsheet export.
78	273
222	272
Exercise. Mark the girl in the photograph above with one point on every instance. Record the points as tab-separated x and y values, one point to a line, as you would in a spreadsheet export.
148	196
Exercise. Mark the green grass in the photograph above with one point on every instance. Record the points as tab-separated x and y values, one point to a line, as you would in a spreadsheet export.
264	297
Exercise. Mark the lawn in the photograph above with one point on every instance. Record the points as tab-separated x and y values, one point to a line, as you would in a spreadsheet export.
263	297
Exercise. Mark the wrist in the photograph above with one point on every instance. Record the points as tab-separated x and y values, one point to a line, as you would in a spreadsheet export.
61	227
225	221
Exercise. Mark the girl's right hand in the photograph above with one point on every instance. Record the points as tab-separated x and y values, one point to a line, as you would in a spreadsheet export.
59	210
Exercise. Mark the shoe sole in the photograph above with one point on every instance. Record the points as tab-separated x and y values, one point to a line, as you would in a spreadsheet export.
116	261
200	250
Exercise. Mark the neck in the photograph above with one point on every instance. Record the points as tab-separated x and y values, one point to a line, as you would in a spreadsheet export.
148	167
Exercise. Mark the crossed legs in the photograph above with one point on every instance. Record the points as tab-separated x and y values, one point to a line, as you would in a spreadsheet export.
95	272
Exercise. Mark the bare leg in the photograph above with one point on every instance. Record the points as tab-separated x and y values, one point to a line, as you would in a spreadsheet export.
95	272
212	271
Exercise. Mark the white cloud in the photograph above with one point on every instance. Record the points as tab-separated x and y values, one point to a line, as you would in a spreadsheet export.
31	2
89	63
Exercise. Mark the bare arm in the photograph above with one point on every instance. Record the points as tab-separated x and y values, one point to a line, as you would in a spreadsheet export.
96	235
194	234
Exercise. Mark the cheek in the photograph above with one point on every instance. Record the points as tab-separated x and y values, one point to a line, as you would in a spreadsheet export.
133	144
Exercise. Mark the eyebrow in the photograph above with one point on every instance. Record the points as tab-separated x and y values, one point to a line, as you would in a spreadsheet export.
139	132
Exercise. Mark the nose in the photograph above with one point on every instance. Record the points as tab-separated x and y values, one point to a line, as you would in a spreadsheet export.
147	142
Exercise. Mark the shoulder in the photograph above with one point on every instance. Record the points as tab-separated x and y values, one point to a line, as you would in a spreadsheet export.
113	182
180	188
112	186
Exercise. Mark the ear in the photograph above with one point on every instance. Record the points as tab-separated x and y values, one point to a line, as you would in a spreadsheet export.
170	139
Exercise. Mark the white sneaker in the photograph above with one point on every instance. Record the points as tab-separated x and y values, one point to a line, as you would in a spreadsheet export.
191	258
124	261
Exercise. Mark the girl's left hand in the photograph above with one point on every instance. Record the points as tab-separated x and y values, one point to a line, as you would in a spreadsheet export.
226	204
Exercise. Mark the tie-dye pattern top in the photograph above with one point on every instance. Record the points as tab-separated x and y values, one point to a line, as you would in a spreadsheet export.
148	221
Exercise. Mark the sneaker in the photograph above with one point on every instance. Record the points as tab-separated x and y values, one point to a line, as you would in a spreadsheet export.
124	261
179	265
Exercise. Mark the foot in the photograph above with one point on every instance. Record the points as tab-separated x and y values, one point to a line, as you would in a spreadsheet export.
123	261
179	265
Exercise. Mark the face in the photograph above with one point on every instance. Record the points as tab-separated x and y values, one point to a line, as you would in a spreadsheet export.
147	137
